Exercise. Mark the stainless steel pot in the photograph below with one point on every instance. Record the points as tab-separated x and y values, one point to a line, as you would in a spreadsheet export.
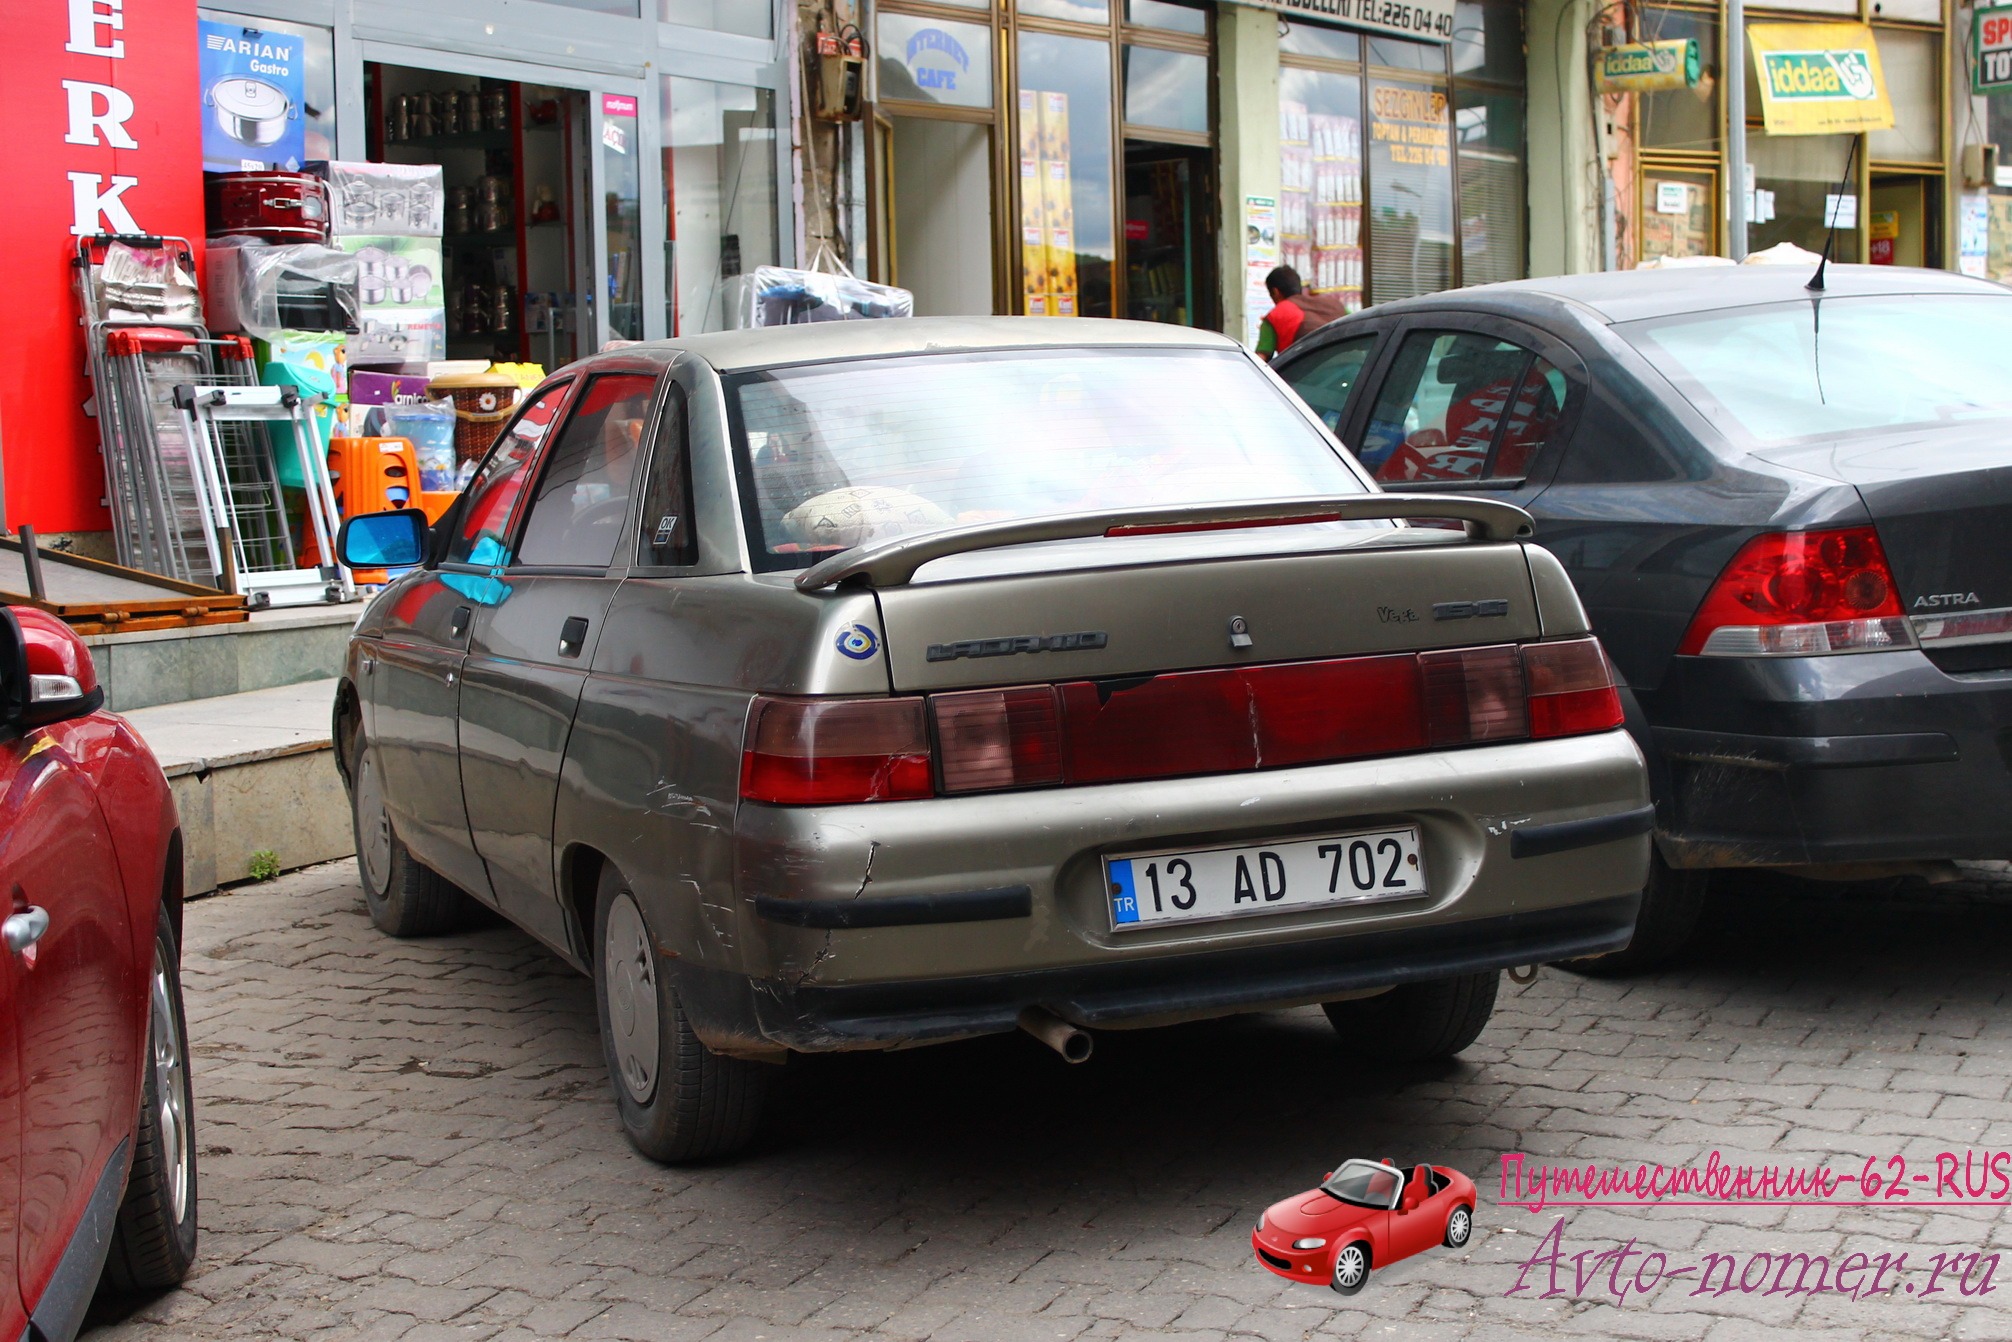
251	111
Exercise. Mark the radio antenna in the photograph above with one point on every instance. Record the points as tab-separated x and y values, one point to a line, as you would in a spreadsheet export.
1815	284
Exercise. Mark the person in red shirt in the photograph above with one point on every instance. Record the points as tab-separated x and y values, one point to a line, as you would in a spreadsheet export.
1294	312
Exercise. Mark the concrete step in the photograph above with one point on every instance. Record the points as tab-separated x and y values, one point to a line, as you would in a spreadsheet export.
171	666
252	772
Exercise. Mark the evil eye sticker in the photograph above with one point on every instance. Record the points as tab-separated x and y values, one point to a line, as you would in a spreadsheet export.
857	642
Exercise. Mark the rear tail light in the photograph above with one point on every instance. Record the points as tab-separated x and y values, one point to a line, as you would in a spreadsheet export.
1473	694
802	752
1230	720
1800	594
1571	688
989	739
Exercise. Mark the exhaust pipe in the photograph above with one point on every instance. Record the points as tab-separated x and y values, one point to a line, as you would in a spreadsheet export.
1056	1033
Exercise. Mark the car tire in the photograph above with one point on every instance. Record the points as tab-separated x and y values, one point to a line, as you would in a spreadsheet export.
1673	903
679	1100
1417	1022
154	1236
1460	1227
1351	1269
405	898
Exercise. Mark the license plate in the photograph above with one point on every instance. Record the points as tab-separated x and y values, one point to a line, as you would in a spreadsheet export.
1178	887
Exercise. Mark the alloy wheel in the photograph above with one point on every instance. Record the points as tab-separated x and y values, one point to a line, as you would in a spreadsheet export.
1459	1226
1350	1267
373	827
171	1093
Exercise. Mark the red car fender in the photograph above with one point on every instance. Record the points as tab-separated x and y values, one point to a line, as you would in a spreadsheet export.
139	809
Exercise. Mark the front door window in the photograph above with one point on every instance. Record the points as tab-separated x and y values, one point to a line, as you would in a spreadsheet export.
582	500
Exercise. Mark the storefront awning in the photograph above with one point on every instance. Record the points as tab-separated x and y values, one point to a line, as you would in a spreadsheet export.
1420	20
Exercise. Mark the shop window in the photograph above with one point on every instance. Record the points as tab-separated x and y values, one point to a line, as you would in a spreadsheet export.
1166	89
1488	42
1325	380
1489	144
1065	157
1320	180
1410	159
1320	42
1674	212
1165	17
1170	250
1079	11
749	18
720	189
317	94
576	516
934	61
1400	54
942	215
492	493
667	537
1684	119
1462	406
1794	176
1909	59
623	208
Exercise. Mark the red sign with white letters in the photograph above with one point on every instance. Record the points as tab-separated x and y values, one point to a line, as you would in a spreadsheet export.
101	107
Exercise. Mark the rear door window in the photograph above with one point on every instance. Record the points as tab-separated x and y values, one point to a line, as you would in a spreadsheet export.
583	494
1324	380
1465	407
493	493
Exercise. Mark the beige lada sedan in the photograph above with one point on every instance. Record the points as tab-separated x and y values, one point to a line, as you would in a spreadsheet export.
875	684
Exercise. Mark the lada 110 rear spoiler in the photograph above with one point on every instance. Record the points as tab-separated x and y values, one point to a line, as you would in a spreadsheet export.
890	563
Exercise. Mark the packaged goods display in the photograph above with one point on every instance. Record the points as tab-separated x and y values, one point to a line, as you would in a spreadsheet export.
1320	200
1047	206
385	199
271	206
780	296
259	288
403	302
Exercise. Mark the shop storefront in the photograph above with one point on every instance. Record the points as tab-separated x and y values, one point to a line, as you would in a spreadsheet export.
1895	204
606	168
1066	157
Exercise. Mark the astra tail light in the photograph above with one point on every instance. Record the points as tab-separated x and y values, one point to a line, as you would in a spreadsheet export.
1802	594
989	739
1571	688
804	752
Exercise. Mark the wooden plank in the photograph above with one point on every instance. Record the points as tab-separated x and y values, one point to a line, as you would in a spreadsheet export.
97	597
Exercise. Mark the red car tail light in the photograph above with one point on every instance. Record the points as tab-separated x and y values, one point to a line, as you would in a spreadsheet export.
988	739
1187	722
802	752
1801	593
1571	688
1309	712
1473	694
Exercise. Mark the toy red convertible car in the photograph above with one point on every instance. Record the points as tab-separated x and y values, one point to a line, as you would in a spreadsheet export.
1368	1213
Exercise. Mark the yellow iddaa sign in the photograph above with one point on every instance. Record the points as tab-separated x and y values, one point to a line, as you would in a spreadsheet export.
1819	78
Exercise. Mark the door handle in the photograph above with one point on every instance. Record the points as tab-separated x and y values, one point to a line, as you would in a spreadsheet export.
23	930
457	625
572	636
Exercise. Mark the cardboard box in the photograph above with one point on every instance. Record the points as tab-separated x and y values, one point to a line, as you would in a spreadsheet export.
375	387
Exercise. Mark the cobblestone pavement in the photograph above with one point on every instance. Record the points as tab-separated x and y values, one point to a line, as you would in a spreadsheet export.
412	1140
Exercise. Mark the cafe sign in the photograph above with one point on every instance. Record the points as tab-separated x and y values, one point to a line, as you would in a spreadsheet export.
1819	78
1426	21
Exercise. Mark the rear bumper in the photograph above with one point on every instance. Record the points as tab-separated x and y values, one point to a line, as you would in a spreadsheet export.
1876	757
1189	987
878	925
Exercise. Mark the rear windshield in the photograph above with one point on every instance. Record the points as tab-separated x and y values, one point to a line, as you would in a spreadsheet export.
1364	1184
834	455
1839	366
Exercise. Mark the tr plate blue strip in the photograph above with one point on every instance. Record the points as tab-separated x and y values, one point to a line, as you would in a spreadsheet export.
1124	902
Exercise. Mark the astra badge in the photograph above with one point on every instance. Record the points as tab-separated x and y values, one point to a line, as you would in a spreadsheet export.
1007	647
1943	600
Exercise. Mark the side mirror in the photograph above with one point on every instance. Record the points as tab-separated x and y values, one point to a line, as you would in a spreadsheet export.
50	675
1325	1177
383	540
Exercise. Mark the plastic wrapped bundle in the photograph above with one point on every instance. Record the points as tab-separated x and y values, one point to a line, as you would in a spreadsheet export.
778	296
259	288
